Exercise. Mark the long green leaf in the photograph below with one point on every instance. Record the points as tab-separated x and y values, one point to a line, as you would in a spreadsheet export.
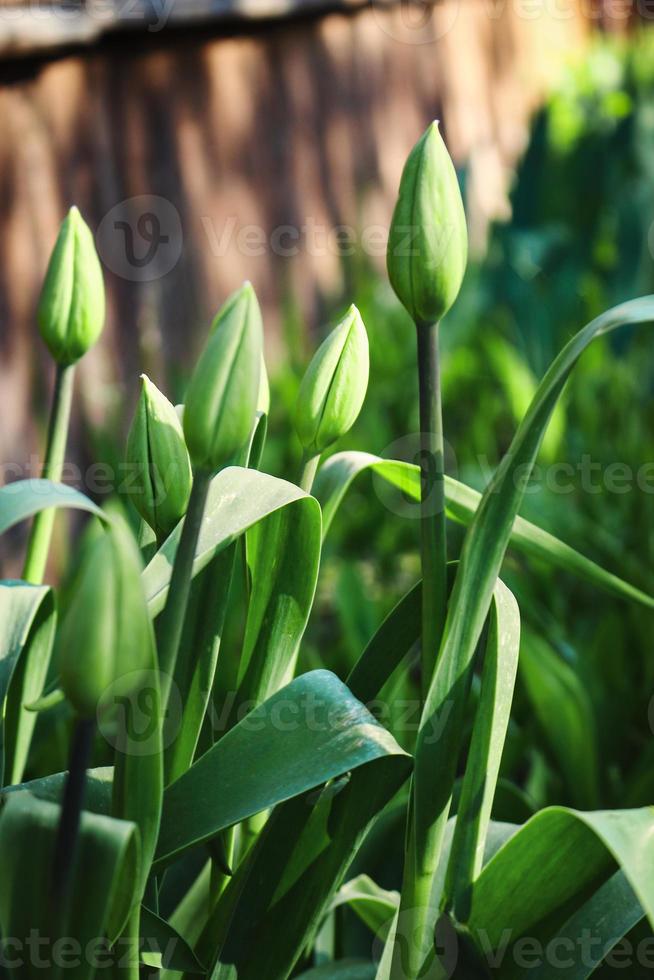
25	498
341	970
196	666
337	474
485	755
98	795
136	735
302	829
103	887
387	648
547	872
592	930
308	733
283	554
498	834
238	499
27	625
374	905
556	691
162	946
481	559
203	627
283	887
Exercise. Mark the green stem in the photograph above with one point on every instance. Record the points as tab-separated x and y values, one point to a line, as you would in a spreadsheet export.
171	623
433	542
65	851
41	533
129	946
417	904
308	471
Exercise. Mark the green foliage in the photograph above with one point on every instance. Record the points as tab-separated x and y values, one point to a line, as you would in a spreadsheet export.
228	812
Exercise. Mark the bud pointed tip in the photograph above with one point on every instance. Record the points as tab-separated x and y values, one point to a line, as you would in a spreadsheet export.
146	383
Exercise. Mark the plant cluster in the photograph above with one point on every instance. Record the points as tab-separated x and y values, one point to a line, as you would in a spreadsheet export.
217	815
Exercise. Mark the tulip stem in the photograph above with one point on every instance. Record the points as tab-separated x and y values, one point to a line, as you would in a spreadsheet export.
41	533
71	809
433	541
171	624
129	947
308	471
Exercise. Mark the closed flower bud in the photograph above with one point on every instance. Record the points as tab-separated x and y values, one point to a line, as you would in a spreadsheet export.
222	397
106	640
428	239
158	460
334	386
71	308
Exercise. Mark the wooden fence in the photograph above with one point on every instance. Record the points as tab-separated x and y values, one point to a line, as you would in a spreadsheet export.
260	142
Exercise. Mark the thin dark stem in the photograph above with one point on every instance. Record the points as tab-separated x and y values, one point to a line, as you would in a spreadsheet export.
71	809
420	864
55	452
171	623
433	542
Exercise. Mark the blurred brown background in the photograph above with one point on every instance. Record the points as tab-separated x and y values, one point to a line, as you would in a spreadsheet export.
235	143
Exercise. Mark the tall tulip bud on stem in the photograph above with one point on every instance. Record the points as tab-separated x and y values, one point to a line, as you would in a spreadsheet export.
427	253
219	413
158	459
106	647
332	391
70	317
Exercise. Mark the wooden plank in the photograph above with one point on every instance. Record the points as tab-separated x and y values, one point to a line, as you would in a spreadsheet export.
27	29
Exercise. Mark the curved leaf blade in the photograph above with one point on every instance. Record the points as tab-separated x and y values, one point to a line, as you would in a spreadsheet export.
163	947
375	906
98	795
485	755
544	874
238	499
606	918
138	779
555	691
340	470
27	625
102	890
25	498
311	731
481	559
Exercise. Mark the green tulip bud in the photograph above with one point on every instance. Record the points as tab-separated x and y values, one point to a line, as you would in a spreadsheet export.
159	461
71	309
334	386
222	396
428	239
106	639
